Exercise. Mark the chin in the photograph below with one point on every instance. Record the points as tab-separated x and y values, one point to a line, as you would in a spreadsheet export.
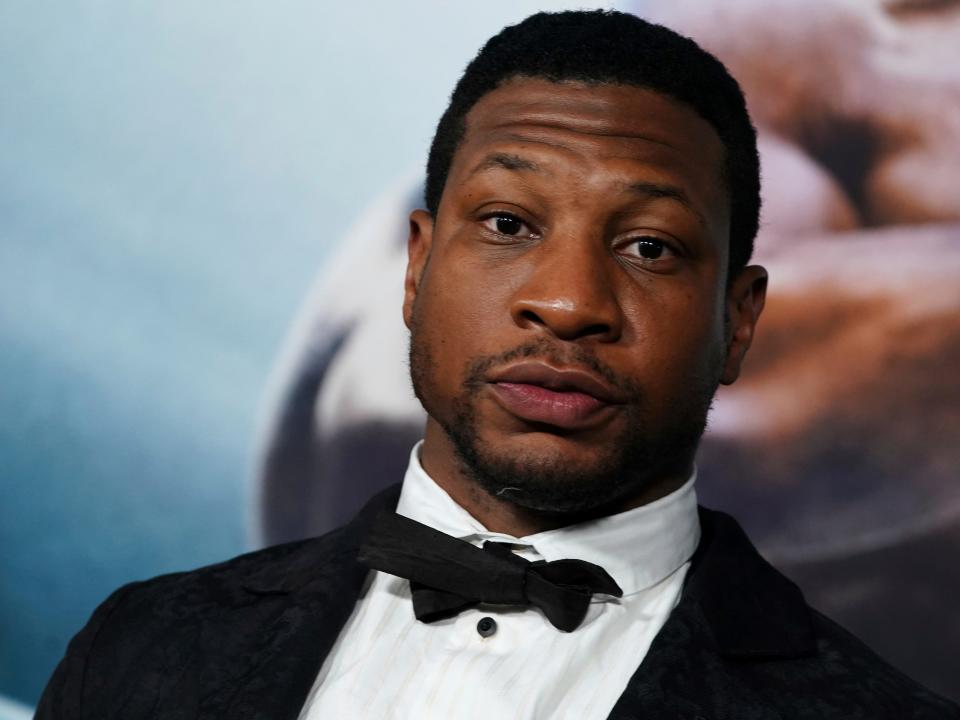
559	452
551	474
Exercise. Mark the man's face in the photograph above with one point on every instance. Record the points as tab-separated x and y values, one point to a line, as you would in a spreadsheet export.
567	303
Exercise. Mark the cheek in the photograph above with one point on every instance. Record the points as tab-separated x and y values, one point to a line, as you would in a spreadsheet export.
471	294
457	317
674	335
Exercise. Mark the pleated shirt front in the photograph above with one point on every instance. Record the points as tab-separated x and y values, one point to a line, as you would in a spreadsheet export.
491	663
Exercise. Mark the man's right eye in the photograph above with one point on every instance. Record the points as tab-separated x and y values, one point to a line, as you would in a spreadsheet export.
508	225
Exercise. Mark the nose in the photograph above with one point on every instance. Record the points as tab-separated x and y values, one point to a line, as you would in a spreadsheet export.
569	293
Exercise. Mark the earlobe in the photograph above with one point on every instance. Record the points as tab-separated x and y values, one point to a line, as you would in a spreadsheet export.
418	250
745	300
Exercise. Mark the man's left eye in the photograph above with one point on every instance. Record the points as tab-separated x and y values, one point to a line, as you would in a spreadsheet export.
647	248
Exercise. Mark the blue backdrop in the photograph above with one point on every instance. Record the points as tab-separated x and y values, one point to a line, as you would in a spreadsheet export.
172	176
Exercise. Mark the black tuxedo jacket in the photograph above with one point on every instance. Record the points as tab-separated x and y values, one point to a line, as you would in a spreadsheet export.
245	639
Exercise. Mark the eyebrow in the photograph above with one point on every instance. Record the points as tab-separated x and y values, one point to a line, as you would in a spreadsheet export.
656	191
649	190
505	161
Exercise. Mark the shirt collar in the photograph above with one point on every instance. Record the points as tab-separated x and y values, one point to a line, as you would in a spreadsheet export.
638	547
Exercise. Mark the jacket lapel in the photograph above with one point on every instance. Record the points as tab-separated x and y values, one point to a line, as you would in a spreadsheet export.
735	610
284	621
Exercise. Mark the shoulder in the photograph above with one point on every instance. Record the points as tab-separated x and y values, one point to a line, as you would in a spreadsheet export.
140	643
155	626
840	677
776	651
278	570
853	670
203	590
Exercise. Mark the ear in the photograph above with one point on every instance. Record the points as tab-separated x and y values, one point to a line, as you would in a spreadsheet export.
745	299
418	250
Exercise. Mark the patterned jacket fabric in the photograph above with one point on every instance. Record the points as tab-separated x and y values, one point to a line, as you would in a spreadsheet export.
245	639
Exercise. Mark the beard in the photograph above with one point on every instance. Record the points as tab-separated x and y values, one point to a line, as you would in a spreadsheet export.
643	452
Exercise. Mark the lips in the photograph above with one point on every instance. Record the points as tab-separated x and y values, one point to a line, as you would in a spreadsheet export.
565	398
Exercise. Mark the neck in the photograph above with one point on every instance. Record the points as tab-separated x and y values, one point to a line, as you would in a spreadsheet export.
442	463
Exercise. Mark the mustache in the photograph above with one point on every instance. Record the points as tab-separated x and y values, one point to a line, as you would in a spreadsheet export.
566	356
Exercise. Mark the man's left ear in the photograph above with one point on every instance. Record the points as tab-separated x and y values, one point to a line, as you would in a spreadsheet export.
745	298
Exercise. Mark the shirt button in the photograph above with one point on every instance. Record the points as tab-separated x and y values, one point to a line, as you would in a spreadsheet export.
486	627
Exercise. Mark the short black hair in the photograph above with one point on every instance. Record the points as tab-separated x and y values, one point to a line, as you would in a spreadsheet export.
608	47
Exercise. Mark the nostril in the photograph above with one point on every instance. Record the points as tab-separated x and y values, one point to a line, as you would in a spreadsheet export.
531	316
598	329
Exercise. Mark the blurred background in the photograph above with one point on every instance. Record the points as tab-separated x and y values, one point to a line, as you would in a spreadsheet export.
202	216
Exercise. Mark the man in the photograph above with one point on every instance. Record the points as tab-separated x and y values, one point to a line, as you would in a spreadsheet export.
576	290
863	513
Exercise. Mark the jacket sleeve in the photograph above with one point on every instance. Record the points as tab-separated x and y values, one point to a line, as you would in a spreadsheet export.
63	697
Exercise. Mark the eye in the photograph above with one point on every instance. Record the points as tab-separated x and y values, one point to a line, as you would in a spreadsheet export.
647	249
504	223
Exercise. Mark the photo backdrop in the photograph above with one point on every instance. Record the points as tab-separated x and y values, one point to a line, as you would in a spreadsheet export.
201	255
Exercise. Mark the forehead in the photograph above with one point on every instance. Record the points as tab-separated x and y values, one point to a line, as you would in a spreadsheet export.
617	129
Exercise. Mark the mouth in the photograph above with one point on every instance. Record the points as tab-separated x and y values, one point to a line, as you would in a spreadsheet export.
570	399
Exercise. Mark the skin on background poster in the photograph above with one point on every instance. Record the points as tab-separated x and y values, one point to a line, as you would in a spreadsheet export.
202	244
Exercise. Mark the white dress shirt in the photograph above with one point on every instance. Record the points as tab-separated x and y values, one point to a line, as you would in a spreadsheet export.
387	664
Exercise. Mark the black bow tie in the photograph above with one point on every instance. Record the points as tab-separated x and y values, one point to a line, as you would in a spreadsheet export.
448	575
